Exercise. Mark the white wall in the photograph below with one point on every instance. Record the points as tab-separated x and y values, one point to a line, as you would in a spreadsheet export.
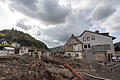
77	47
3	53
99	40
80	55
23	50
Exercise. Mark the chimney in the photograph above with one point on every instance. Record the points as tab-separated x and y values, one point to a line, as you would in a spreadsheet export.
97	31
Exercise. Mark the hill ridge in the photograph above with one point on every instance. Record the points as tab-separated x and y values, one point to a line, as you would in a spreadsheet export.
24	39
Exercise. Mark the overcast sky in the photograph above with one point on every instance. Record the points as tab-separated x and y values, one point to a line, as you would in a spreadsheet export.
53	21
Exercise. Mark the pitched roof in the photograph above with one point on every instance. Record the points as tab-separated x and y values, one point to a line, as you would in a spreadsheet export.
103	34
73	37
76	38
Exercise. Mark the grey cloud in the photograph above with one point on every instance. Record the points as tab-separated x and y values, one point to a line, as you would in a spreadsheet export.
66	19
51	43
49	12
112	2
116	27
27	3
21	24
102	12
62	32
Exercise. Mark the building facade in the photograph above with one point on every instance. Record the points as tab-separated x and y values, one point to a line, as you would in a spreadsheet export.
73	48
95	45
27	50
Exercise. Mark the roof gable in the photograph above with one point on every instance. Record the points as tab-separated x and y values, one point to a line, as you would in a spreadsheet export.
73	40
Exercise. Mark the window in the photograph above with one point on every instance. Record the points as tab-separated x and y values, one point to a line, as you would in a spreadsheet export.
88	45
92	37
84	39
69	55
88	38
77	55
85	46
78	47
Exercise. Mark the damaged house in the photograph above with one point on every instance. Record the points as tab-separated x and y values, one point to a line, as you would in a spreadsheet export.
95	45
27	50
73	48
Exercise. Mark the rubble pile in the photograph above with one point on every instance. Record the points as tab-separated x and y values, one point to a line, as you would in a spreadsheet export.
22	68
27	67
80	66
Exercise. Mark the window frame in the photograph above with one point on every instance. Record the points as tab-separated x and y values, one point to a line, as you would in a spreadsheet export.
89	46
92	37
88	38
77	55
84	38
85	46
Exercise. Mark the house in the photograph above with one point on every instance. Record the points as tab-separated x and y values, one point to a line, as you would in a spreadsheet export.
73	48
9	50
27	50
4	42
95	45
15	44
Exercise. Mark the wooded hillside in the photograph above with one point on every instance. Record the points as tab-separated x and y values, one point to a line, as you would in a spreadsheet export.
23	39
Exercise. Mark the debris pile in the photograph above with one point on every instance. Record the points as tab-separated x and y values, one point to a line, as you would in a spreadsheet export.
21	68
26	67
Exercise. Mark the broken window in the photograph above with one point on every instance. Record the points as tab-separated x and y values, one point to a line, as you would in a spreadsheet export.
107	47
85	46
103	47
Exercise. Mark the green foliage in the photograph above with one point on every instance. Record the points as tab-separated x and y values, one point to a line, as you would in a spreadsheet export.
23	39
4	45
2	35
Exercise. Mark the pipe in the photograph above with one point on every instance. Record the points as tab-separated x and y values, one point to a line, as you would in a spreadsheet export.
73	71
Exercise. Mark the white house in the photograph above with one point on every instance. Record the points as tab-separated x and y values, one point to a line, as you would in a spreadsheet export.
27	50
100	41
9	50
4	42
15	44
95	45
99	44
